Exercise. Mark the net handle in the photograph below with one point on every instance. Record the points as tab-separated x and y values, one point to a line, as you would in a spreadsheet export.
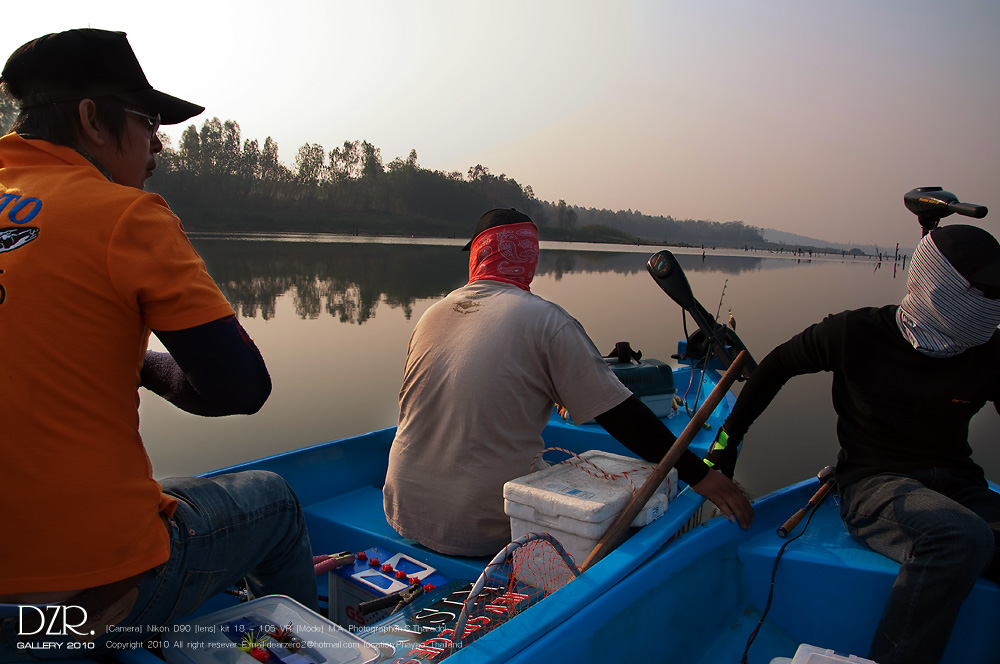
498	560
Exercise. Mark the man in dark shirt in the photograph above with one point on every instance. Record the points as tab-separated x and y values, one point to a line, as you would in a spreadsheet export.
907	380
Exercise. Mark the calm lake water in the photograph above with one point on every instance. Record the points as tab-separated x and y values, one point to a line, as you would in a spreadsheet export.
332	316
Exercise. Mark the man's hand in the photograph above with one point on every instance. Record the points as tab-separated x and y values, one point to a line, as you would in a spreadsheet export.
728	497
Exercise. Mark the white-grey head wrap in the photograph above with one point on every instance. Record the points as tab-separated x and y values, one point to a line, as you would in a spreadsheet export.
942	314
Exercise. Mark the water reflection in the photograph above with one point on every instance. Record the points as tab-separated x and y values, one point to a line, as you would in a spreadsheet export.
347	281
559	262
333	319
350	280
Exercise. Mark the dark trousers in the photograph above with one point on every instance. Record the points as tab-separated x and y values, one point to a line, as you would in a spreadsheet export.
944	530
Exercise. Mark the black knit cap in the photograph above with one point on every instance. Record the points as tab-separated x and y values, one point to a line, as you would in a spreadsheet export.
974	253
87	63
497	217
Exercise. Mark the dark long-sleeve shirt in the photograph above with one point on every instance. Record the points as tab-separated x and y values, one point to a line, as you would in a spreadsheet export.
897	409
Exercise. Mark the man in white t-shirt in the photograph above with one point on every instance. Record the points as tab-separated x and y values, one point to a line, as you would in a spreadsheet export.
484	367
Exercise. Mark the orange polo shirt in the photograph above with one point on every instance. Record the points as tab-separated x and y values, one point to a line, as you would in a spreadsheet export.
87	267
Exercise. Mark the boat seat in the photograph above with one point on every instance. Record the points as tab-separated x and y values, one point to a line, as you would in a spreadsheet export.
823	570
816	546
354	521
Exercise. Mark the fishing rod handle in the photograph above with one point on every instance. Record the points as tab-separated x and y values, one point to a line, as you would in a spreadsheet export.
793	520
789	526
821	494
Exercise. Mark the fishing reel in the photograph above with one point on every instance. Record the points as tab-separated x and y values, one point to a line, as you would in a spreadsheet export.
710	335
931	204
700	344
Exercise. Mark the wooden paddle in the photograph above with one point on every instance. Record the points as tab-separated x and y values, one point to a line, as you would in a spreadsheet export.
620	525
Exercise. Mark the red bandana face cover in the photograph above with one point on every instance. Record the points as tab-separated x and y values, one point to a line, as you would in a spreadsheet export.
505	253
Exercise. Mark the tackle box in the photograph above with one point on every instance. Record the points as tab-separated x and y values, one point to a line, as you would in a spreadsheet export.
305	637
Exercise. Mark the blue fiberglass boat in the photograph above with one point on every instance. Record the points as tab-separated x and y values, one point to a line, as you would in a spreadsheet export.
340	486
696	597
701	596
692	598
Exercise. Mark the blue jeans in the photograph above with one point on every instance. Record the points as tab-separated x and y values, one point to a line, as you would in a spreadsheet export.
226	528
944	530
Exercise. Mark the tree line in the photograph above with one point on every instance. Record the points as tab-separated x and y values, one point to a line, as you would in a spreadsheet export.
217	180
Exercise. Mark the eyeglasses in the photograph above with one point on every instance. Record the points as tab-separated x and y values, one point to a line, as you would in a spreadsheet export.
154	121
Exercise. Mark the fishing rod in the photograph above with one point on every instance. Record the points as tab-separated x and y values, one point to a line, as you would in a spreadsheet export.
826	479
669	276
931	204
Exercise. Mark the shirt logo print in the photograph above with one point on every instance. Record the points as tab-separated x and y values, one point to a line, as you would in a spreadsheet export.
13	238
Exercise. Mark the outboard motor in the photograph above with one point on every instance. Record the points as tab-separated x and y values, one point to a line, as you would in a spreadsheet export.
931	204
669	276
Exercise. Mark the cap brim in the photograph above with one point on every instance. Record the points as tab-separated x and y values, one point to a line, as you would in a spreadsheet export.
171	109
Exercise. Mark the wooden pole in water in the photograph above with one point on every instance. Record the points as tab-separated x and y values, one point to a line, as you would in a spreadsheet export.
620	525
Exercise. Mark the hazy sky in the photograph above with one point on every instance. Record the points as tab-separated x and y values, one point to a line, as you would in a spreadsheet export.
808	117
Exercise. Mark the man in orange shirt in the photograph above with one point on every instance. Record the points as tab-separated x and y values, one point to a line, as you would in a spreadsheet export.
89	265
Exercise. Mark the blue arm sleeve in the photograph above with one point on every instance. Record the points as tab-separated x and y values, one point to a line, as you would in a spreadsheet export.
212	370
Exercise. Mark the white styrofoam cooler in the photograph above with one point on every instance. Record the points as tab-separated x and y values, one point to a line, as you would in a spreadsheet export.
577	508
807	654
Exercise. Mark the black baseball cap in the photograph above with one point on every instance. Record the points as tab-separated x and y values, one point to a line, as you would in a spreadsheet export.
974	253
497	217
87	63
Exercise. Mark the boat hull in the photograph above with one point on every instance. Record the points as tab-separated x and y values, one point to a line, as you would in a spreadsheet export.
699	598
